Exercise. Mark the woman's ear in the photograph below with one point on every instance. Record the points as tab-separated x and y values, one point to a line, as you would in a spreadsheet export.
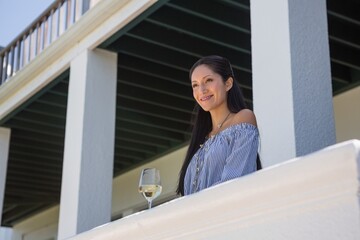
229	83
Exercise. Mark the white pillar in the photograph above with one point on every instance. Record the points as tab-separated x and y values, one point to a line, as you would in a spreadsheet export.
86	188
291	77
4	155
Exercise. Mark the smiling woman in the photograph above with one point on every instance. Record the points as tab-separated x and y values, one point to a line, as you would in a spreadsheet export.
225	137
209	89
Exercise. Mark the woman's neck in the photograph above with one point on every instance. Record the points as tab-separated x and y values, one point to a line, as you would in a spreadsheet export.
218	117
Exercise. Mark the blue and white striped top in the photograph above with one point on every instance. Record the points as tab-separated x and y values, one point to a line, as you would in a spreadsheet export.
229	154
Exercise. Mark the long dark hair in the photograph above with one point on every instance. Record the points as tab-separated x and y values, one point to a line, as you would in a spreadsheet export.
202	123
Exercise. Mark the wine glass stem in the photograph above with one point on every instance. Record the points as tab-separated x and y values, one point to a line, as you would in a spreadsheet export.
149	202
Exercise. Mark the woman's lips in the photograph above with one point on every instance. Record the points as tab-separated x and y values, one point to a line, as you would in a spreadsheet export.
206	98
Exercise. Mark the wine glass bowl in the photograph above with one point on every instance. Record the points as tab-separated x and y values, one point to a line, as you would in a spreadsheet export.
150	184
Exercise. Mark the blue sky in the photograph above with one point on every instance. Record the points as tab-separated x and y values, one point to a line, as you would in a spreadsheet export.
16	15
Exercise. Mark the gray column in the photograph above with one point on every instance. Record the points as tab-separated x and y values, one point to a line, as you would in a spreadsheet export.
4	154
86	188
291	77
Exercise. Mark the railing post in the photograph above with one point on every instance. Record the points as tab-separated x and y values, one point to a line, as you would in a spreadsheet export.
23	51
5	63
73	11
29	47
35	43
42	35
66	13
1	68
11	62
50	24
45	32
57	21
18	55
78	9
62	18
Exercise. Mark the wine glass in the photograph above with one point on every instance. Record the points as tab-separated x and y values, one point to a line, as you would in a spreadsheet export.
150	185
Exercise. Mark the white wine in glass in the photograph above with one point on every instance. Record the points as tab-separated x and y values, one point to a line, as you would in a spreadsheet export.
150	184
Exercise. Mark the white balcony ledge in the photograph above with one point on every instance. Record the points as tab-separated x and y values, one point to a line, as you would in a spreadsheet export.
312	197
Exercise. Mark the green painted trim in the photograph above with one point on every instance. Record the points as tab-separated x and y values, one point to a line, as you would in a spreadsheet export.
206	17
53	83
347	88
208	39
238	5
133	23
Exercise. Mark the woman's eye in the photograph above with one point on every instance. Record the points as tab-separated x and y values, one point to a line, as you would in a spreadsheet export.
209	80
194	85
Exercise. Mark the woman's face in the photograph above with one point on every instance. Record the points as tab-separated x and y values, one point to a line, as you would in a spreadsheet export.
209	89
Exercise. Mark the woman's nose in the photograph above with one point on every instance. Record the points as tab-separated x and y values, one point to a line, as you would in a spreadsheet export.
202	88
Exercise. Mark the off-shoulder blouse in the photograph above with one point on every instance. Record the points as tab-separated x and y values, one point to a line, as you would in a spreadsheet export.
229	154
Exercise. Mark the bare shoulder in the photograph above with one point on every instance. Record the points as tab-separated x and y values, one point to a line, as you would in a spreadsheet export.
245	116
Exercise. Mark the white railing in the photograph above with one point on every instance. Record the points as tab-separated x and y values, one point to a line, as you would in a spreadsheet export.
49	26
312	197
